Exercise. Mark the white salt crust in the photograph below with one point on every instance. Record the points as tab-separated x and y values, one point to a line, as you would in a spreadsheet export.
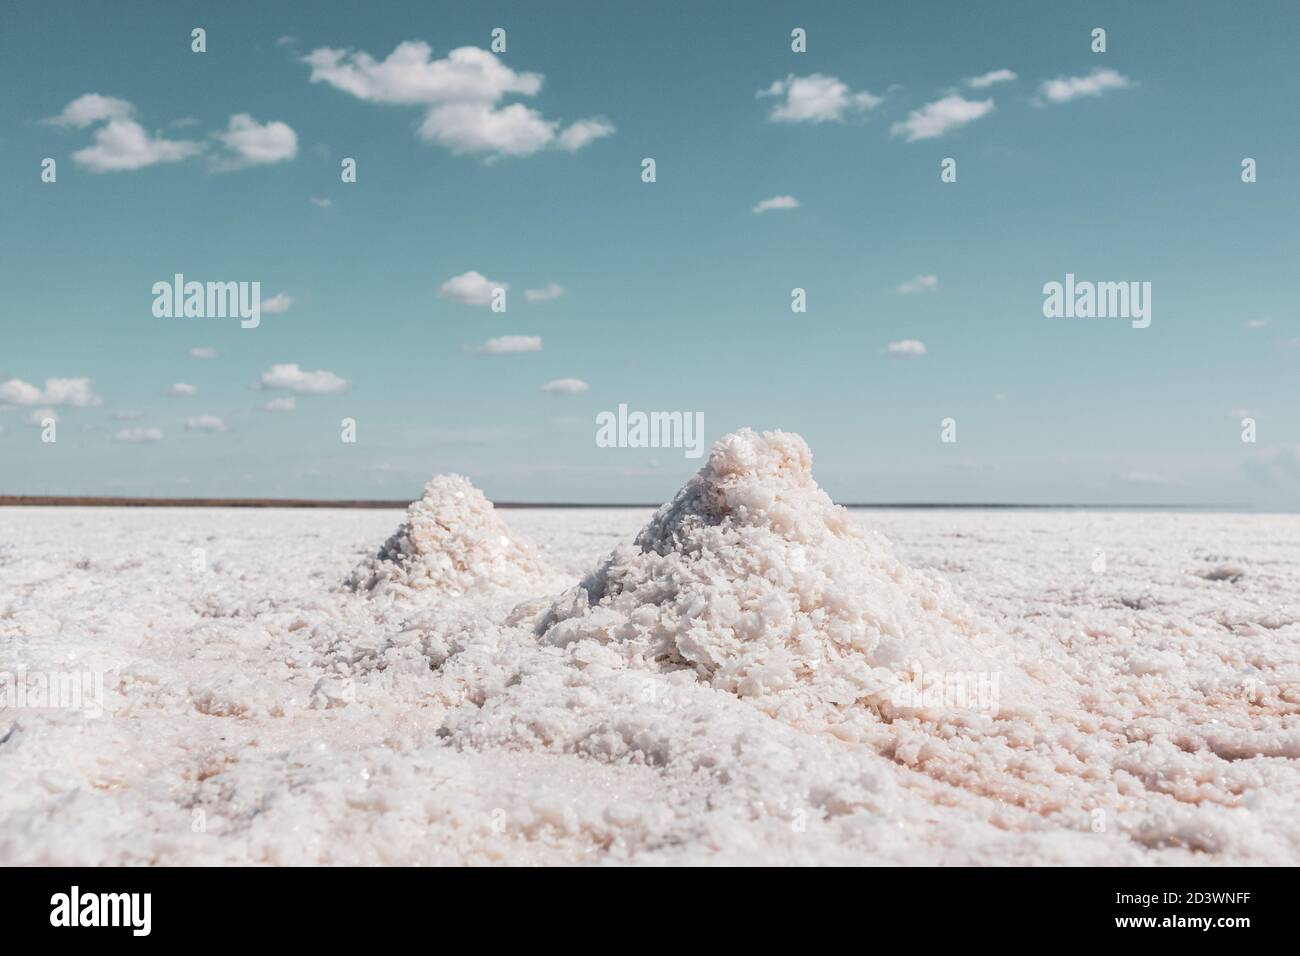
724	690
761	586
451	542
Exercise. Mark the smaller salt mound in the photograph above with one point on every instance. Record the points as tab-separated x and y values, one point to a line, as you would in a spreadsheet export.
451	543
754	579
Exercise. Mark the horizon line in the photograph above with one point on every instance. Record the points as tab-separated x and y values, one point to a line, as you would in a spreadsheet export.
113	501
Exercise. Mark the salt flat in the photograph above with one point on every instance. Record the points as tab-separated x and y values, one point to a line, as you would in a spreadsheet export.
255	710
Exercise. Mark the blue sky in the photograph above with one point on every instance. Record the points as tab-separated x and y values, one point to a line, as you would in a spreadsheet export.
526	169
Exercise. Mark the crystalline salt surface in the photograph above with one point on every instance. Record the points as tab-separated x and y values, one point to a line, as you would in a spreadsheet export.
452	541
314	724
756	581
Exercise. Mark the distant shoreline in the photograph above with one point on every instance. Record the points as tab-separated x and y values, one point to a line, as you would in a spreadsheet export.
54	501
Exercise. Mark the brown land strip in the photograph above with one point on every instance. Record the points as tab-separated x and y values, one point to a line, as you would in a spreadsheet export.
110	502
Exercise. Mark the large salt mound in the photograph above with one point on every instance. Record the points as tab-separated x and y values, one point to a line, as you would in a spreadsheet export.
752	578
451	542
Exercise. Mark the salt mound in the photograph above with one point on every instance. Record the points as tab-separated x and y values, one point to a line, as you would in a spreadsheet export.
756	581
451	542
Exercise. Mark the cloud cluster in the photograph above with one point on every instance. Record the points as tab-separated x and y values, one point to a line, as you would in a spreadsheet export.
474	288
816	98
470	288
280	302
582	133
546	293
121	144
919	284
819	98
985	80
250	143
907	348
138	435
294	379
206	423
566	386
777	202
92	108
509	344
71	392
463	98
1066	88
941	116
461	95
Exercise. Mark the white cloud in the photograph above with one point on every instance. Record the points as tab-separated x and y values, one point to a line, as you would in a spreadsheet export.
17	392
583	132
73	392
290	376
985	80
135	435
203	352
461	95
184	388
41	415
409	76
919	284
907	348
123	144
1257	323
470	288
941	116
546	293
568	386
508	344
777	202
206	423
1066	88
285	403
77	392
513	130
120	143
250	143
92	108
322	202
816	99
280	302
